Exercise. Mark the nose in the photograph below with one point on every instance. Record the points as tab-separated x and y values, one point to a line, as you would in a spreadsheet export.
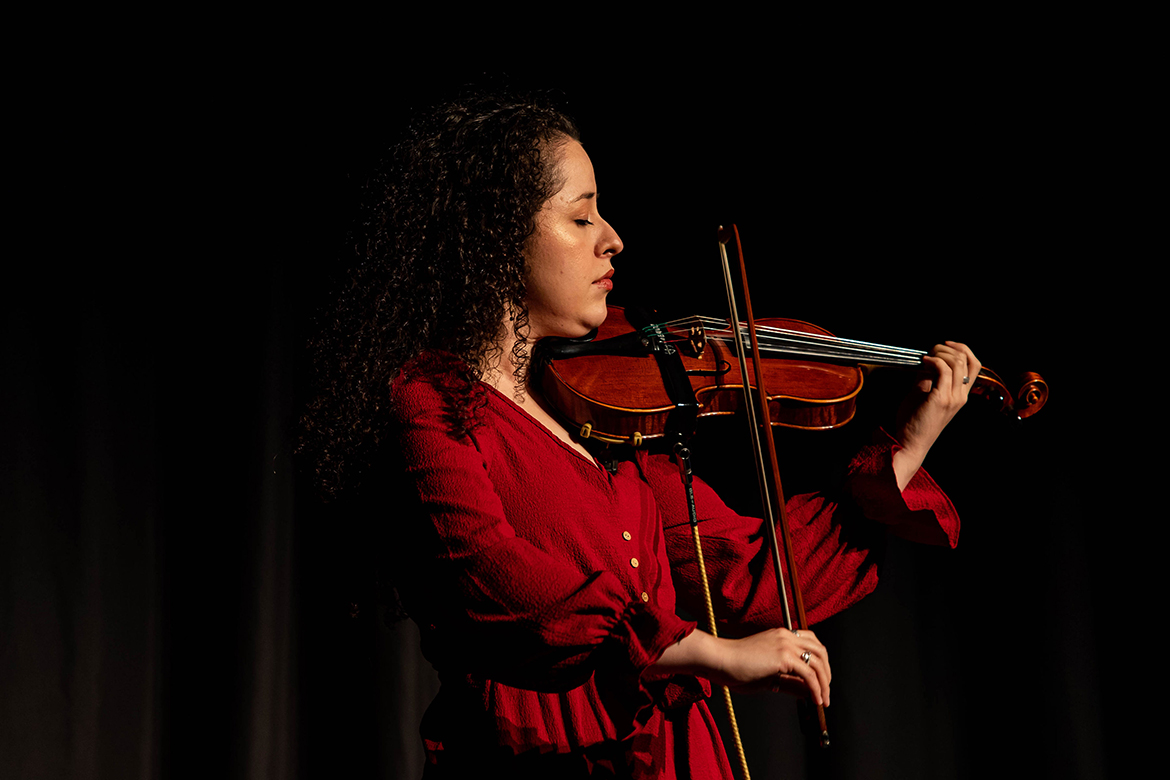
610	243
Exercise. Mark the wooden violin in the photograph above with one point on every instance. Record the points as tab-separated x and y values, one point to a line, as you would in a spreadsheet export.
610	389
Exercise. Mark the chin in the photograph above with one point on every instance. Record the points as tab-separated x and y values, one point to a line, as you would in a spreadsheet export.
574	328
598	319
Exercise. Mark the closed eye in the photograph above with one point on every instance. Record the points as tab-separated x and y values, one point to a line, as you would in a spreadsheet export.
583	222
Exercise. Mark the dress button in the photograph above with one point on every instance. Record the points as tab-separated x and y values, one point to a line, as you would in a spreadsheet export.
626	535
645	596
634	562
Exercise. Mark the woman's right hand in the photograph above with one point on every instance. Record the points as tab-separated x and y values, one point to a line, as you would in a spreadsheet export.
771	660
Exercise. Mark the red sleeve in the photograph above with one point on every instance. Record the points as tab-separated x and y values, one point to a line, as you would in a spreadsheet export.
831	546
489	602
920	513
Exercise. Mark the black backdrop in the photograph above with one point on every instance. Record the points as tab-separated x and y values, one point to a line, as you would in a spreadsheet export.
175	602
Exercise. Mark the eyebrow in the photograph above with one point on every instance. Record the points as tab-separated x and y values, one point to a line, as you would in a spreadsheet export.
584	196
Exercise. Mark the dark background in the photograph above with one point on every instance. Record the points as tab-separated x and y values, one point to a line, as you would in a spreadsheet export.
173	600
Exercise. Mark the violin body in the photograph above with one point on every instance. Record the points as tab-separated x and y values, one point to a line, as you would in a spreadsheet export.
622	398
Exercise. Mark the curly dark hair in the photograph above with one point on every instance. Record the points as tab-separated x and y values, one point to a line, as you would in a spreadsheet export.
440	264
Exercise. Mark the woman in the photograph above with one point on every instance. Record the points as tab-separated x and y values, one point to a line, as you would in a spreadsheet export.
545	586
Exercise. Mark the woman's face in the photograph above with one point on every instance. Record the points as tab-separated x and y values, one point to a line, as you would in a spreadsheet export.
569	256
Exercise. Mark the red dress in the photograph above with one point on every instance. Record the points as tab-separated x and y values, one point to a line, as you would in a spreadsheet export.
544	586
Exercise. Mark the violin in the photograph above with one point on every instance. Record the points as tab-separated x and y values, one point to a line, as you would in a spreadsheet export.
609	385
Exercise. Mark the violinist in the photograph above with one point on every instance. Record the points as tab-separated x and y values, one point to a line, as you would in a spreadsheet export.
545	586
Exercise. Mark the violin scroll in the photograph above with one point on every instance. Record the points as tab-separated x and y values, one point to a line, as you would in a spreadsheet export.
1029	398
1032	395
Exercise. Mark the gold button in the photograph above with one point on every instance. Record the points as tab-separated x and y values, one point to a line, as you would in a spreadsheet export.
645	596
626	535
634	562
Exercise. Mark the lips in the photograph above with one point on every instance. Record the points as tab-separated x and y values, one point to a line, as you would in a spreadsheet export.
605	282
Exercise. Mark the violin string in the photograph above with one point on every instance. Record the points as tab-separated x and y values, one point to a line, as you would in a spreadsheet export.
818	343
773	339
721	328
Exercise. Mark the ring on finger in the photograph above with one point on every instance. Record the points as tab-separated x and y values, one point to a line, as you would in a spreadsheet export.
805	656
966	379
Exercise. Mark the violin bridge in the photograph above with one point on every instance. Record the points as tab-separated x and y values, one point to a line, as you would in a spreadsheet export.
696	341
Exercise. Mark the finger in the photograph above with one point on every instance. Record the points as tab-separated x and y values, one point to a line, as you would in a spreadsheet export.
974	366
807	641
823	659
817	665
958	358
808	675
945	381
818	652
824	674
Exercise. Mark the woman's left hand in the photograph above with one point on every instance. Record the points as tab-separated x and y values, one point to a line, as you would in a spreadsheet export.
932	404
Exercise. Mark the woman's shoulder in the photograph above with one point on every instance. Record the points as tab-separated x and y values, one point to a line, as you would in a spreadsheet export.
434	383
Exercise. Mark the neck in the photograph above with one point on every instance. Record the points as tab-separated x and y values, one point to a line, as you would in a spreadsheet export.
501	374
